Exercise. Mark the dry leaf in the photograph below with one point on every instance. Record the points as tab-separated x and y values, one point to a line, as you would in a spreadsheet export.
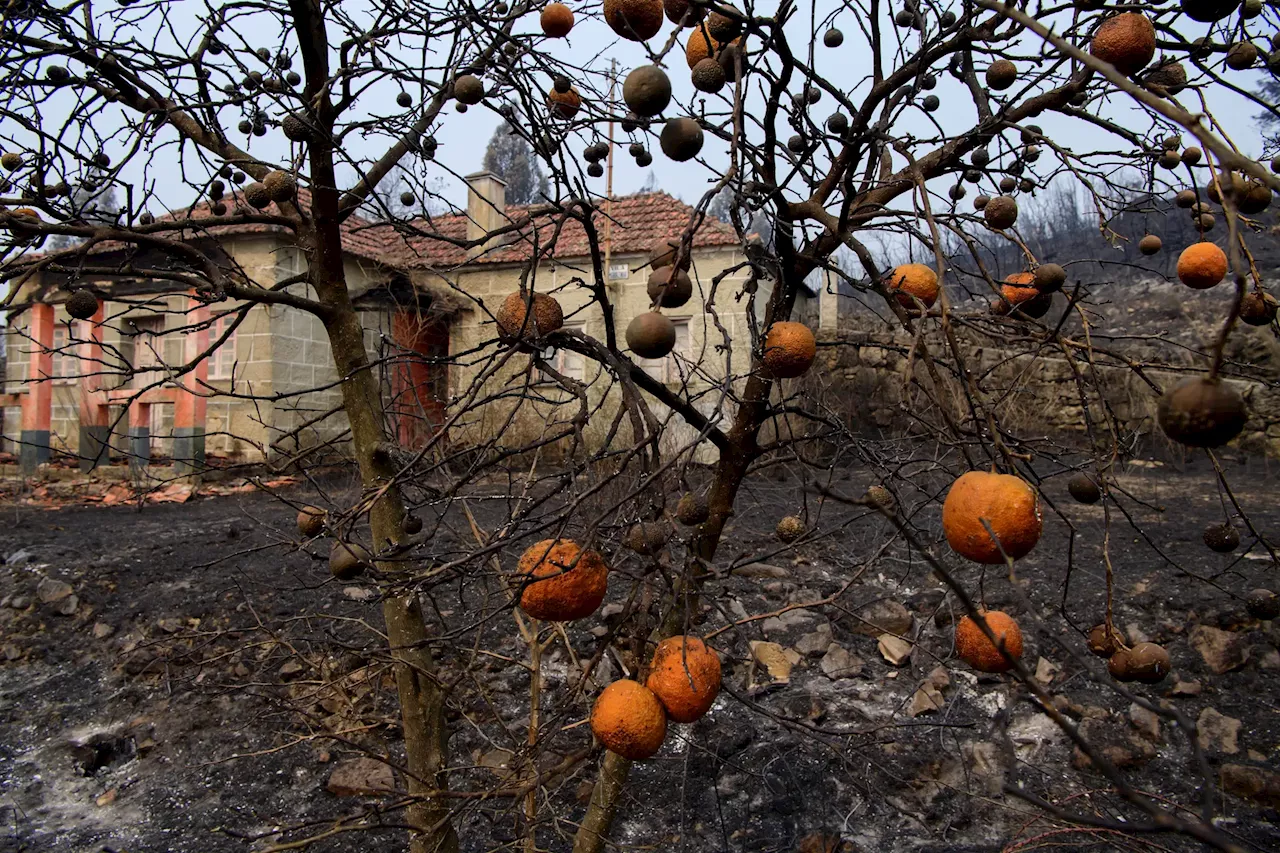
773	657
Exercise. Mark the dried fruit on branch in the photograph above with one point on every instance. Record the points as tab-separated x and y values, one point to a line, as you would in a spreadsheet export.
977	650
629	720
685	676
1008	505
569	582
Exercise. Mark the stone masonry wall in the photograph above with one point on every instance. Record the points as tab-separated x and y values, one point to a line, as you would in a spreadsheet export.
863	374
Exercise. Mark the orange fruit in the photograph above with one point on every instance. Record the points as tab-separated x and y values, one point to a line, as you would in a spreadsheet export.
1007	503
977	650
1202	265
573	582
556	20
700	45
637	20
629	720
914	280
564	104
1019	287
685	676
1127	41
547	317
789	349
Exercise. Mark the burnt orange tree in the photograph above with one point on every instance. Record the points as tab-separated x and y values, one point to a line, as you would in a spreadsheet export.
859	153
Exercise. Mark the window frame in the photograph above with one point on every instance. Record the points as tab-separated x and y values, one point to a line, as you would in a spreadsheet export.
557	358
65	337
222	361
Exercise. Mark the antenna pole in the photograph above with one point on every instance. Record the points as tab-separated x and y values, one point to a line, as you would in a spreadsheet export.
608	181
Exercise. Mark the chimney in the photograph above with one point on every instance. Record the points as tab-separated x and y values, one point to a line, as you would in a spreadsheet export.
486	208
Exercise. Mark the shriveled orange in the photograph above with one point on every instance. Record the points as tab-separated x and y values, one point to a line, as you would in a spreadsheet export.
1019	287
574	581
1127	41
637	20
1007	503
914	280
556	20
700	45
685	676
789	349
1202	265
629	720
564	104
547	317
977	650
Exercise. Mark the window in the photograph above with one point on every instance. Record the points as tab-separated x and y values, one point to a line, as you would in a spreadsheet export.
222	362
65	368
667	370
145	350
566	362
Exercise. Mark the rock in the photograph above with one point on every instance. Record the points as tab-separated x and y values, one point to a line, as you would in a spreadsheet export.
17	558
1252	783
895	650
50	590
927	700
1116	745
939	678
360	593
774	659
815	644
496	760
169	625
10	651
614	609
884	616
839	663
1186	688
1046	671
1136	634
1033	735
1222	651
926	601
101	630
20	602
68	606
361	777
761	570
1270	660
1218	732
1146	722
987	764
107	798
786	621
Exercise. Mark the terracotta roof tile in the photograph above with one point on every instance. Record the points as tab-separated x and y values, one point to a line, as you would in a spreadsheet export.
639	221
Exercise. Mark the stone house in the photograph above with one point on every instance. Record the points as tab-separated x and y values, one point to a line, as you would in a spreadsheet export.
108	387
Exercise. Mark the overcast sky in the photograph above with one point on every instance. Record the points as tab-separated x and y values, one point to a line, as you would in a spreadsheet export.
462	137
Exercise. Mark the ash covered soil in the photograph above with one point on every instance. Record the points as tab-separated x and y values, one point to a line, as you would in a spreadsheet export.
188	678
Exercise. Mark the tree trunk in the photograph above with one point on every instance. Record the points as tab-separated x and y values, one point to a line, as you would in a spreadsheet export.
420	694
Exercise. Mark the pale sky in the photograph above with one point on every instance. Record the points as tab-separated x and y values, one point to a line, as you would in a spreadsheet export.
462	137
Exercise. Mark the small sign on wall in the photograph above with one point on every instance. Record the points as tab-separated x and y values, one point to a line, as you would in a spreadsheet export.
617	272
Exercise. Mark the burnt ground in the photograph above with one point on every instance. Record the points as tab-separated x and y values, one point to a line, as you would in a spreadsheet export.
203	677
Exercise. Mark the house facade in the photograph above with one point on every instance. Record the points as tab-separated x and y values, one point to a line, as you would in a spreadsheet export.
111	387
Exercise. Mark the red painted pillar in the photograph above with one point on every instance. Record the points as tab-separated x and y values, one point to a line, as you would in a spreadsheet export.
139	434
95	423
190	405
37	405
